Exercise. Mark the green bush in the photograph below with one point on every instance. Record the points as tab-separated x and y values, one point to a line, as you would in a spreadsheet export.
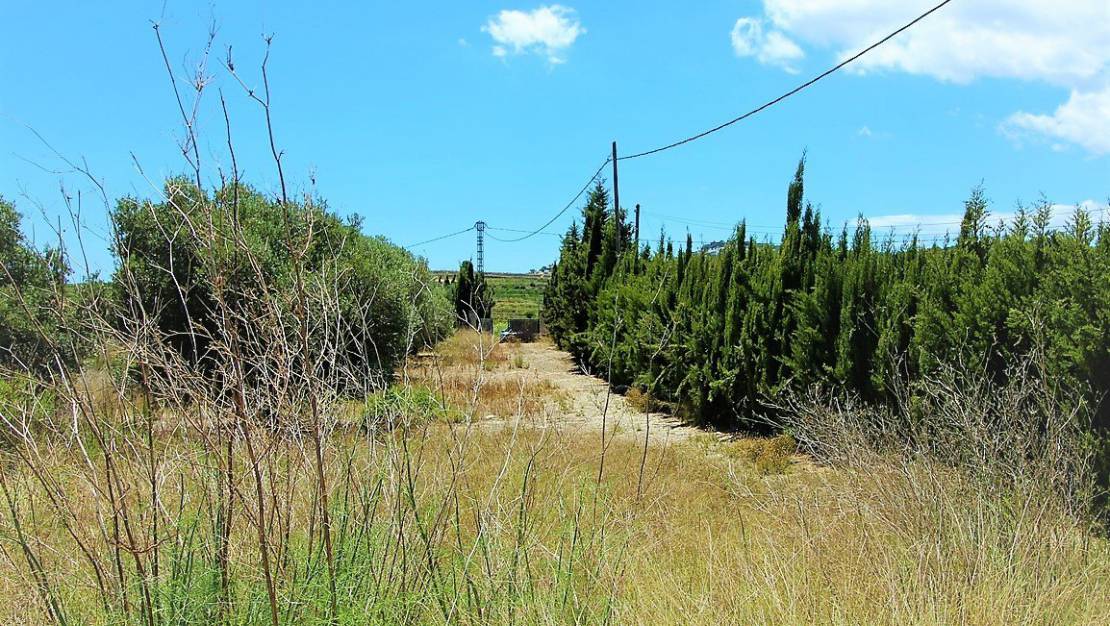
190	259
32	285
723	333
726	334
473	295
404	405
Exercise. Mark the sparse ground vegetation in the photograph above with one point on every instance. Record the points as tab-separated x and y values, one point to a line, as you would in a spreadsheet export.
726	338
141	486
514	520
265	419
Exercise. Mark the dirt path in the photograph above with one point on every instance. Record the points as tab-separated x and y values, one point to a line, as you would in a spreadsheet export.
584	404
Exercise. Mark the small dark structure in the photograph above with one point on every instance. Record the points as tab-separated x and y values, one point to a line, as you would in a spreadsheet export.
524	329
484	324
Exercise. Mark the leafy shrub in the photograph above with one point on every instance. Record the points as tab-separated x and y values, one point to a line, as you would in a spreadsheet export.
203	267
406	404
473	296
723	333
32	283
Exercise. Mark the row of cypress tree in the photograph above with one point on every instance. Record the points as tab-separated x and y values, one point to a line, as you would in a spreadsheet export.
473	296
719	333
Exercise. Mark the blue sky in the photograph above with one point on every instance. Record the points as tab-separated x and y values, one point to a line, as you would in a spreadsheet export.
425	117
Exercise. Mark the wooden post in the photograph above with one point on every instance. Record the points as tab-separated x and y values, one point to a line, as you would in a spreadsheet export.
616	199
637	229
636	259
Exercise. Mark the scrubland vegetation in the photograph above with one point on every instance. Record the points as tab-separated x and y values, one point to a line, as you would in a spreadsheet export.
434	520
264	416
729	338
239	440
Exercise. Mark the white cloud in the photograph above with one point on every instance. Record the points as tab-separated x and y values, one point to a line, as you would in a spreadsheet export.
935	224
778	48
1095	208
746	35
548	31
1061	43
1048	40
772	48
1083	120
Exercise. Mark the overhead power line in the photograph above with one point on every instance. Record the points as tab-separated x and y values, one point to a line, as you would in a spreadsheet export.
766	105
573	200
530	234
850	225
520	230
440	238
722	226
527	234
793	91
515	230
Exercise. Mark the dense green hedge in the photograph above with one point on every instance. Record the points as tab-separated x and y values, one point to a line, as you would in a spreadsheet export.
721	333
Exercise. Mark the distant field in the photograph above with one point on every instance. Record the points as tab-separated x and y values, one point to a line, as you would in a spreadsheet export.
517	295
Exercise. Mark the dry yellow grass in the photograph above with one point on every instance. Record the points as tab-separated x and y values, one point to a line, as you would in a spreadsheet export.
469	347
479	377
498	523
707	542
726	545
499	397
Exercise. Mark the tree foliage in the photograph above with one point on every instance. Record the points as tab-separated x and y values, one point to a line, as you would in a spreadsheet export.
188	257
32	285
473	295
721	333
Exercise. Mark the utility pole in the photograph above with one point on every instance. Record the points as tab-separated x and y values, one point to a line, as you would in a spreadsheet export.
617	199
480	226
637	229
636	259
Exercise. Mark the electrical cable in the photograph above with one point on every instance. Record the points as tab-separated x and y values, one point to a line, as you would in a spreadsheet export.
793	91
440	238
496	238
517	230
551	221
767	105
